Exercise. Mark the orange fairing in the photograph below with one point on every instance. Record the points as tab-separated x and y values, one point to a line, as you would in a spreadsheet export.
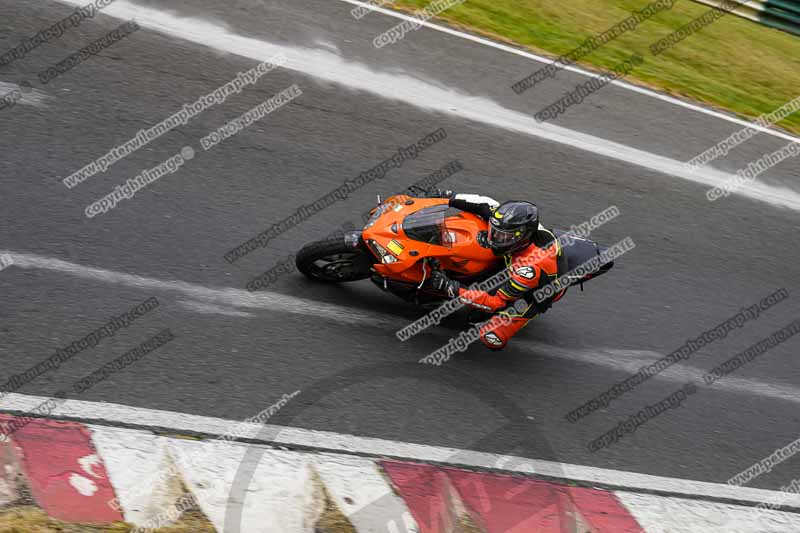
412	229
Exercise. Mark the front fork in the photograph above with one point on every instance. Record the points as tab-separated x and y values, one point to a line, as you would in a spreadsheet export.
353	239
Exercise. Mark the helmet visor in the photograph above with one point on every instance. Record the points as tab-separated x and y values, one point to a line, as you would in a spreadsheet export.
502	238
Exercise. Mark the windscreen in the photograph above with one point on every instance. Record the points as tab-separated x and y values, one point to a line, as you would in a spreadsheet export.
427	225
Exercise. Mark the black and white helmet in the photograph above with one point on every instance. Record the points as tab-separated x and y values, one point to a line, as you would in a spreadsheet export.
512	227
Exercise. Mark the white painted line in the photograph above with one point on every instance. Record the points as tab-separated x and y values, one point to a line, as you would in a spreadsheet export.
30	96
542	59
210	309
270	301
657	514
326	65
351	444
227	301
630	361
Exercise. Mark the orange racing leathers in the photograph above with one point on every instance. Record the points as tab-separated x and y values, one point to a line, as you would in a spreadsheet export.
528	270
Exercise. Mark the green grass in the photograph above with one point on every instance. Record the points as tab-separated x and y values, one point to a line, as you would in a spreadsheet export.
733	64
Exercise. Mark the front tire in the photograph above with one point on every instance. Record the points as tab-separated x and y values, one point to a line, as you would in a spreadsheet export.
333	261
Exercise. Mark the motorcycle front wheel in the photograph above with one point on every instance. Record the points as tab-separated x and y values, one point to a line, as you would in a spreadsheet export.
333	261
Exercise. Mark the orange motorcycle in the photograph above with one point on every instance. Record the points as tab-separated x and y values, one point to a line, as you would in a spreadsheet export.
407	237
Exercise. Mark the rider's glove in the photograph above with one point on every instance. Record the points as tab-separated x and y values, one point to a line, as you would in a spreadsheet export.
441	283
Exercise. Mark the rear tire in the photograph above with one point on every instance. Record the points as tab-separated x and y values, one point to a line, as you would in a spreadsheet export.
333	261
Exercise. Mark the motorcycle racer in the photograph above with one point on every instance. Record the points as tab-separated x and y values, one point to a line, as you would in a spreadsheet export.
534	258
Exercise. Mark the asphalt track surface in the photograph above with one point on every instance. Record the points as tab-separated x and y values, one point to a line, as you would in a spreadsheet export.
695	264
